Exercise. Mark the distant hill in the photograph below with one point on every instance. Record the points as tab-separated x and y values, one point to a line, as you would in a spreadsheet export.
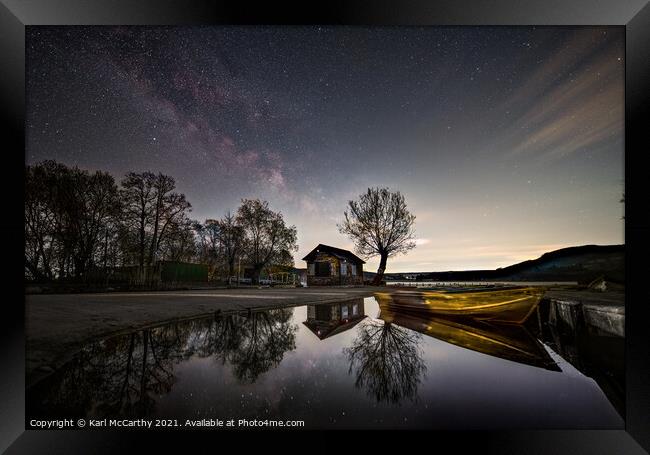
580	263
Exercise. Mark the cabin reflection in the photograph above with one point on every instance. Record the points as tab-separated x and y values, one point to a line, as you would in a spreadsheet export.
327	320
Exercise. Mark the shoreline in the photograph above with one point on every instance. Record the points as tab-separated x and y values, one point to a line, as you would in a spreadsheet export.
59	325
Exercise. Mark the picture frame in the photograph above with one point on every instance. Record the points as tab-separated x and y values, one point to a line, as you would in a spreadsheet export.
634	15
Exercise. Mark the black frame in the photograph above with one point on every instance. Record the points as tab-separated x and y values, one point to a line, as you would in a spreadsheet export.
633	14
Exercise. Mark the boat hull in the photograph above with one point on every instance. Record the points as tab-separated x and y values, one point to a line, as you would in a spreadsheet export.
511	305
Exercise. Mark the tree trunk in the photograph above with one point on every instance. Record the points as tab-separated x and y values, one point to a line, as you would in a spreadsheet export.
231	268
380	271
257	271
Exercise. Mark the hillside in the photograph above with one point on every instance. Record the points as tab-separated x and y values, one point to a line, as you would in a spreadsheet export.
581	263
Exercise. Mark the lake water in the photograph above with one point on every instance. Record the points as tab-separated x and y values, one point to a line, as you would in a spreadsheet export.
334	366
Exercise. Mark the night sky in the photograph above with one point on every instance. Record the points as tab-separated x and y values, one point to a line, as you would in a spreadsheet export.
506	141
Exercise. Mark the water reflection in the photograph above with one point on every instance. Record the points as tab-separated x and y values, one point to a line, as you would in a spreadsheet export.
352	365
387	361
505	341
384	358
597	356
117	376
327	320
251	344
124	375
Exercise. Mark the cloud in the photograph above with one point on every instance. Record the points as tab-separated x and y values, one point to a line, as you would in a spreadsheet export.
573	102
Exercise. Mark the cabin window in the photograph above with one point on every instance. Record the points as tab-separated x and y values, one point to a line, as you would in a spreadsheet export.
322	269
323	313
312	271
344	312
344	268
354	270
355	309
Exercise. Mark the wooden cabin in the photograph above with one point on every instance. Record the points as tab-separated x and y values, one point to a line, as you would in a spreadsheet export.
331	266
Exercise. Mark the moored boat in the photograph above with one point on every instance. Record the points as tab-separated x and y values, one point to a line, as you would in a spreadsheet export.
509	304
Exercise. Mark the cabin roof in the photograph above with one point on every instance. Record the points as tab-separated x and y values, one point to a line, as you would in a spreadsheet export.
338	252
324	330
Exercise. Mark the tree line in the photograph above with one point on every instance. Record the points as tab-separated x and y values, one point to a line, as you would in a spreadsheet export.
79	222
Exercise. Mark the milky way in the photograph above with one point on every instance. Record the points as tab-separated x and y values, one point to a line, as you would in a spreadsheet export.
506	141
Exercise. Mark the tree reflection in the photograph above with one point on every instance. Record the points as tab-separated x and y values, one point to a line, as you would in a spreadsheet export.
267	337
135	370
223	335
387	360
251	344
125	375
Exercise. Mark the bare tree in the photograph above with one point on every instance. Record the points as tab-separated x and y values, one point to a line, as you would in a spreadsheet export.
231	238
41	220
209	250
266	237
180	242
152	209
94	206
69	215
138	196
379	224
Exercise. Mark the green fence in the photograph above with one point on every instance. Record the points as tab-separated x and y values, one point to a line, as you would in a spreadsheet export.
183	272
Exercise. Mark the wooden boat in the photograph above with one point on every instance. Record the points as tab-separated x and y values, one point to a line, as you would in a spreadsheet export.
505	341
508	304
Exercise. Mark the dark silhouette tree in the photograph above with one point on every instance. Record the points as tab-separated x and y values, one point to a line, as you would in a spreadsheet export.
180	243
151	211
230	235
208	247
42	220
80	226
379	223
94	205
266	236
69	216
